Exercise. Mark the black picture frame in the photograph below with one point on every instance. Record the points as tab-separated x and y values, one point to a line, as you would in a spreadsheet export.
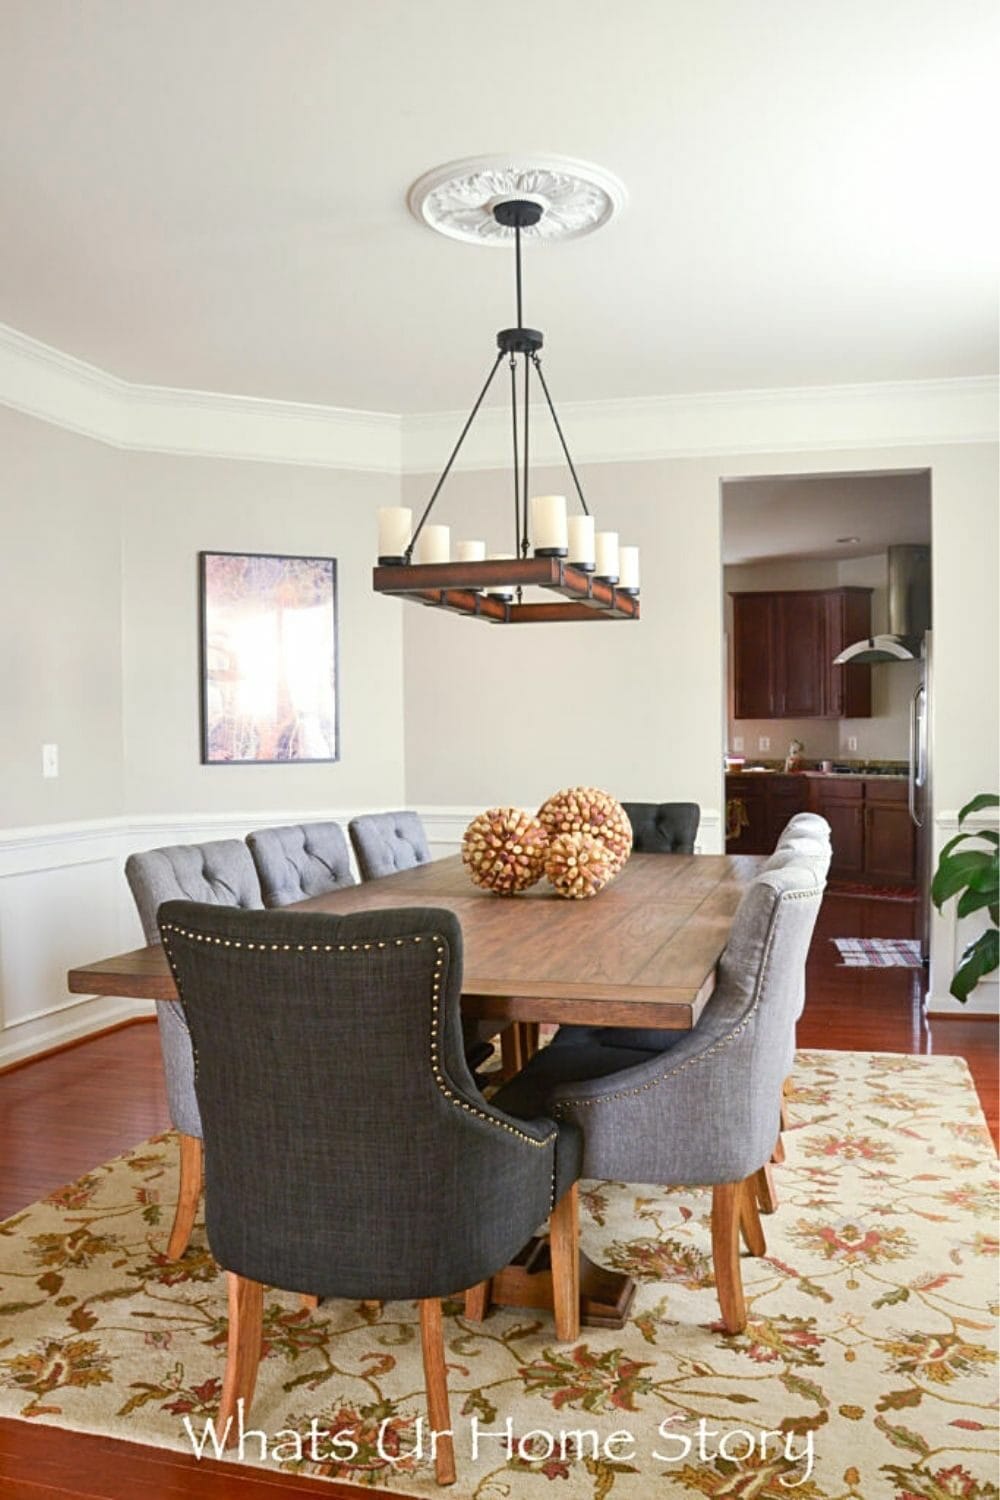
233	587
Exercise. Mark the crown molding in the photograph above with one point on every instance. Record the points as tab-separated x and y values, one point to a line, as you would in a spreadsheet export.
58	388
45	382
884	414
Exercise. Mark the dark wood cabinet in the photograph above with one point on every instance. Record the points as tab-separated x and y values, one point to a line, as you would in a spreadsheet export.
783	647
841	803
890	835
754	655
873	837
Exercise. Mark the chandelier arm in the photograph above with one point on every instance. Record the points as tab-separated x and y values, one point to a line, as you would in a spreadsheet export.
517	468
454	454
576	479
524	512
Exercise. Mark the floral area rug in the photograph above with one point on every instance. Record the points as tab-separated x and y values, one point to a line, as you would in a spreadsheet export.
879	953
868	1368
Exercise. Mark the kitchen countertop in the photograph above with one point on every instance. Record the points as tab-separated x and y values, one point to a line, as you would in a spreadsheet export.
826	775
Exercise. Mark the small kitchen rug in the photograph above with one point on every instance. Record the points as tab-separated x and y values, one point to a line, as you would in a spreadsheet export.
879	953
869	1358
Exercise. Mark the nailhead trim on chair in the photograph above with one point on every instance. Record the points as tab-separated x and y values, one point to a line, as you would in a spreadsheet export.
439	949
558	1110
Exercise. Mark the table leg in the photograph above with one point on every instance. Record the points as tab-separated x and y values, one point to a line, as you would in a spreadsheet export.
605	1296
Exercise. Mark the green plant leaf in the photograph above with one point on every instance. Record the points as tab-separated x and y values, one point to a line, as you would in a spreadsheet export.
958	871
980	958
984	799
973	900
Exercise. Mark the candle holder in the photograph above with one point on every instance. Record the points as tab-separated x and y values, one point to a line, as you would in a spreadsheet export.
583	567
611	579
550	552
394	562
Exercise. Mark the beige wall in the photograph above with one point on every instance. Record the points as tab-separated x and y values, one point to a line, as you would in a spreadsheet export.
884	736
176	507
60	597
498	714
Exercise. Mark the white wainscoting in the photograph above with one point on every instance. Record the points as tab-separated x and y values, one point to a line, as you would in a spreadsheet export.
64	902
950	937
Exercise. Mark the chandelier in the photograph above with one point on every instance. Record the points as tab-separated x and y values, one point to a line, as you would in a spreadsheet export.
590	576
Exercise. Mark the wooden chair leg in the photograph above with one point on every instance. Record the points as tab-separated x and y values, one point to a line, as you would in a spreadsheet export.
246	1323
477	1301
726	1254
564	1249
778	1154
750	1225
764	1189
309	1300
188	1196
512	1059
531	1031
436	1380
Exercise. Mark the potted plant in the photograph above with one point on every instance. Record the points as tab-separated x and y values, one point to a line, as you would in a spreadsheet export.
972	875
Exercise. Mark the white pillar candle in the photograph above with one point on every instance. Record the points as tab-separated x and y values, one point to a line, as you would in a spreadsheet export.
433	545
581	541
470	551
606	554
548	523
395	527
500	590
628	560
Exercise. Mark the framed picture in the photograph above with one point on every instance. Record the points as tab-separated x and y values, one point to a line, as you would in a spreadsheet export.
269	670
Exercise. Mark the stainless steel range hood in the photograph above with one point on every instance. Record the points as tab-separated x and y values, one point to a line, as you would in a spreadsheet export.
909	611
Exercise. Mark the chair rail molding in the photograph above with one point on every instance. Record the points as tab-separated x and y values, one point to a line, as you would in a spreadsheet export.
56	387
64	901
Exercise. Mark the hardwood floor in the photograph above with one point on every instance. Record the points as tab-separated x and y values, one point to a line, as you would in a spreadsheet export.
63	1114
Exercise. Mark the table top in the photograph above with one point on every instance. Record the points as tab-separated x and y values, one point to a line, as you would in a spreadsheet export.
641	953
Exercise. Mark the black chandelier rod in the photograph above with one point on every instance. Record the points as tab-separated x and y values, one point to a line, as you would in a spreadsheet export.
517	453
572	468
454	454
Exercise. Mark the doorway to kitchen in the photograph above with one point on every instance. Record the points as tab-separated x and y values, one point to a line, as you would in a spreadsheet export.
826	583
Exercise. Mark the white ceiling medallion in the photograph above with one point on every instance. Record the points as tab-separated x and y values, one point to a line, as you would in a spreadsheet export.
458	199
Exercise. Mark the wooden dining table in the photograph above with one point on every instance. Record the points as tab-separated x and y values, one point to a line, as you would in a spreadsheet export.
641	953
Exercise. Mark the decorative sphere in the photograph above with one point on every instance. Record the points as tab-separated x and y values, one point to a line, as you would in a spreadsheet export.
578	865
504	850
586	809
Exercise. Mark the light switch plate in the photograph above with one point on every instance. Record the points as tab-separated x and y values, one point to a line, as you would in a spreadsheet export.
737	743
764	742
852	742
50	760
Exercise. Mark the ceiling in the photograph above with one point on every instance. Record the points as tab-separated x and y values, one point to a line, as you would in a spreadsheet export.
211	193
803	515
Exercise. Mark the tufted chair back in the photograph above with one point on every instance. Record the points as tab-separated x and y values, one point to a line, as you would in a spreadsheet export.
707	1110
387	842
219	873
333	1165
305	859
663	827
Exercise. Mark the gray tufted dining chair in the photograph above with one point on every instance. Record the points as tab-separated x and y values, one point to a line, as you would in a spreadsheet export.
221	873
387	842
663	827
705	1112
443	1189
299	861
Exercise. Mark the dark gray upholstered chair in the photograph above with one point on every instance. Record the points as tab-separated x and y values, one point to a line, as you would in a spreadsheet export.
706	1111
336	1167
222	874
663	827
302	860
387	842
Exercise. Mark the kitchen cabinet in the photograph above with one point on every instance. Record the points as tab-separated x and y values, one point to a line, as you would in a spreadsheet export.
783	645
841	803
874	840
758	807
890	835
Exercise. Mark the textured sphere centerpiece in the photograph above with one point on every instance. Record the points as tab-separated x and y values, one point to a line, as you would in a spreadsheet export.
504	850
578	865
588	810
